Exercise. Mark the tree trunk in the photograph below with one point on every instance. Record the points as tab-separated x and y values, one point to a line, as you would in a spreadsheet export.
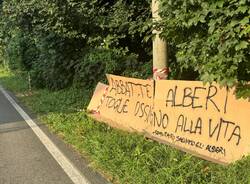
160	70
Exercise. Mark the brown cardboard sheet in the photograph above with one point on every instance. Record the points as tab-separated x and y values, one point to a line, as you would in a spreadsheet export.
205	120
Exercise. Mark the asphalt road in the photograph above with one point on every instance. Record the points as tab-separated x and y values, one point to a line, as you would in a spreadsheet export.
24	159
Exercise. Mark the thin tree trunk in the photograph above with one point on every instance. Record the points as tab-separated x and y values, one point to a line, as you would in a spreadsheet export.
160	57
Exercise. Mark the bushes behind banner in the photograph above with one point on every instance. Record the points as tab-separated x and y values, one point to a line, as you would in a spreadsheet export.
62	43
57	41
212	38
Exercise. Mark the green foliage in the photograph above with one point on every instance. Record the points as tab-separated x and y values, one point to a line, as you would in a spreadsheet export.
56	41
21	52
16	82
212	38
96	63
54	68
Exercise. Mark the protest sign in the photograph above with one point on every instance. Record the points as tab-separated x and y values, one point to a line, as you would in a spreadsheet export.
205	120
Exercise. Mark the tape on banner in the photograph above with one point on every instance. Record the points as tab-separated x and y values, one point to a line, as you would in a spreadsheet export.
97	110
163	72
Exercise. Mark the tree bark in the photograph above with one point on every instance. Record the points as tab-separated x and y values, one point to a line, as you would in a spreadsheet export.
160	56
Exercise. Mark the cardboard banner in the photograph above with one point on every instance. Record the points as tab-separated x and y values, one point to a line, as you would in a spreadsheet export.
207	121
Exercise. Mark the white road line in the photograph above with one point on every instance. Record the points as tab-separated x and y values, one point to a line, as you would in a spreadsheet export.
73	173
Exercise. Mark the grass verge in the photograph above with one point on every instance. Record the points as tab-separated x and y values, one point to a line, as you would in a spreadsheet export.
122	157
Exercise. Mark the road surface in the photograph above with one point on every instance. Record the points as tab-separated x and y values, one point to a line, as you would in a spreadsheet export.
30	154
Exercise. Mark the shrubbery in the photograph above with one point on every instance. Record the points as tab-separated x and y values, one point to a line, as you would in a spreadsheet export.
74	41
212	38
79	41
96	63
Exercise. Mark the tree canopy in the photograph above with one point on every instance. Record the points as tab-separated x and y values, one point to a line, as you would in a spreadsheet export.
75	42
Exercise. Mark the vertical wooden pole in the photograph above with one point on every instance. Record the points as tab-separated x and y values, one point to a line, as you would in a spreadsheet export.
29	80
160	70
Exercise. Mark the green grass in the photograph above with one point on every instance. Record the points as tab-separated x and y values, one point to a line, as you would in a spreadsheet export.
122	157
